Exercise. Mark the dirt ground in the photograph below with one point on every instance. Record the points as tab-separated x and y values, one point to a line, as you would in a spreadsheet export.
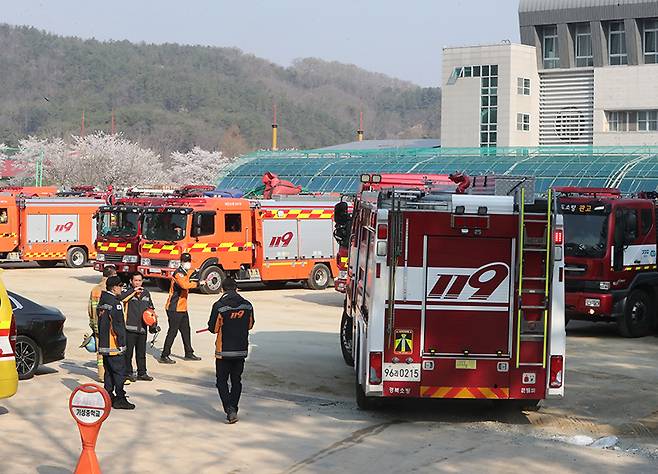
297	411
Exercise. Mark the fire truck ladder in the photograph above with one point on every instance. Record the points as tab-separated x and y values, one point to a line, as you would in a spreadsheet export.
533	283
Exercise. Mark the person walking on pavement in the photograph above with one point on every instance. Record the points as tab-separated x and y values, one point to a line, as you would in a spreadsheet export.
179	319
112	342
136	299
95	295
231	318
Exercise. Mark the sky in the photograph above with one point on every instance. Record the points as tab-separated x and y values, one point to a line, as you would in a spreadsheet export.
399	38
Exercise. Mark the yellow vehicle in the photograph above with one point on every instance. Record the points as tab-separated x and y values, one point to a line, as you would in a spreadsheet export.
8	373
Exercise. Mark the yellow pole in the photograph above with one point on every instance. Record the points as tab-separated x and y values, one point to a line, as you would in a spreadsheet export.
359	132
274	137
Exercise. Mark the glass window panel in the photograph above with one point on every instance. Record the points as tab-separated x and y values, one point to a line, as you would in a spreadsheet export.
494	70
476	71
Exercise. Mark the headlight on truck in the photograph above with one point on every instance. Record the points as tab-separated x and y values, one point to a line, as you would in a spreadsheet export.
604	285
174	264
129	259
100	257
146	262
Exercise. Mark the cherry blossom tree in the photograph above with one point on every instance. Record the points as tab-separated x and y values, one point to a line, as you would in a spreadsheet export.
97	159
198	166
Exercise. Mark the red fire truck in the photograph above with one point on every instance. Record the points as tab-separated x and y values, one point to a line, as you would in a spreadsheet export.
120	225
457	295
271	241
610	254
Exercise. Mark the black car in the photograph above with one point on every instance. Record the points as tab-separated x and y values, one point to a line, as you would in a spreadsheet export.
40	332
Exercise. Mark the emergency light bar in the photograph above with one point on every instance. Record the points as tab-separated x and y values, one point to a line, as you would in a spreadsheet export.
595	192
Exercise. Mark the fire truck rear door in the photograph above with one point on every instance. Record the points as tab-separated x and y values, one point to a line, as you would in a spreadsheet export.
469	292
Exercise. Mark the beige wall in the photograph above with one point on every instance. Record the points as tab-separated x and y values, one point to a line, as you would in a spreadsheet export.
624	88
460	103
523	64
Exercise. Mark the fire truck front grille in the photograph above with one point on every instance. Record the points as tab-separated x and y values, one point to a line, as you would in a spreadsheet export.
113	258
159	263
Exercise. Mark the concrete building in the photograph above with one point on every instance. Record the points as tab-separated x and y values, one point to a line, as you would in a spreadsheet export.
586	73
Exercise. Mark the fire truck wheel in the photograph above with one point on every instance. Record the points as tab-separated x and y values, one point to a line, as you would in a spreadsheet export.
364	403
319	278
214	276
163	283
346	338
636	321
28	357
76	257
47	263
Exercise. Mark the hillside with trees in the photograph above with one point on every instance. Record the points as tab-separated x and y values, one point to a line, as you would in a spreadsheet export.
171	98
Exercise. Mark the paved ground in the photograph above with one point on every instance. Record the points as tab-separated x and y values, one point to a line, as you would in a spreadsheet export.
297	413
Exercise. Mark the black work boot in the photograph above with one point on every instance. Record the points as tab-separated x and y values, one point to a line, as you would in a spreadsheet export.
145	377
192	357
232	416
122	404
166	360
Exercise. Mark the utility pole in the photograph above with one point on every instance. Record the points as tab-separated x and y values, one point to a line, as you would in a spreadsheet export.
359	132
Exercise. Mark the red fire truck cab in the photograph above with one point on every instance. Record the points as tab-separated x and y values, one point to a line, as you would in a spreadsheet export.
610	255
456	295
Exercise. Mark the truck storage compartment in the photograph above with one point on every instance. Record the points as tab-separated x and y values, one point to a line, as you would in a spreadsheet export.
469	288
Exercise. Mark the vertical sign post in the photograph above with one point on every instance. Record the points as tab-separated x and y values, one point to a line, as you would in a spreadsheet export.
90	405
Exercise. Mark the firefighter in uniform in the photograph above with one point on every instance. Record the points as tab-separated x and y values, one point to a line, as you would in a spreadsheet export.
112	342
179	319
95	295
136	299
231	318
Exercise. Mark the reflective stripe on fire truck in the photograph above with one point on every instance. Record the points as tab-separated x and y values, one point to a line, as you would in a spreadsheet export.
298	213
44	255
464	392
114	246
6	352
221	247
166	249
9	234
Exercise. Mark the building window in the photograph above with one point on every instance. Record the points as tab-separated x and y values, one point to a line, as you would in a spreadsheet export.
647	121
632	120
522	86
489	105
523	122
550	47
584	56
650	41
617	43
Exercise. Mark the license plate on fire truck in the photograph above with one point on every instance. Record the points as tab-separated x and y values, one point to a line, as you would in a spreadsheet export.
402	372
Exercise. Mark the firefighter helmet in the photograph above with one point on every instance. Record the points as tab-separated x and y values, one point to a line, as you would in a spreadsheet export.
149	317
89	343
